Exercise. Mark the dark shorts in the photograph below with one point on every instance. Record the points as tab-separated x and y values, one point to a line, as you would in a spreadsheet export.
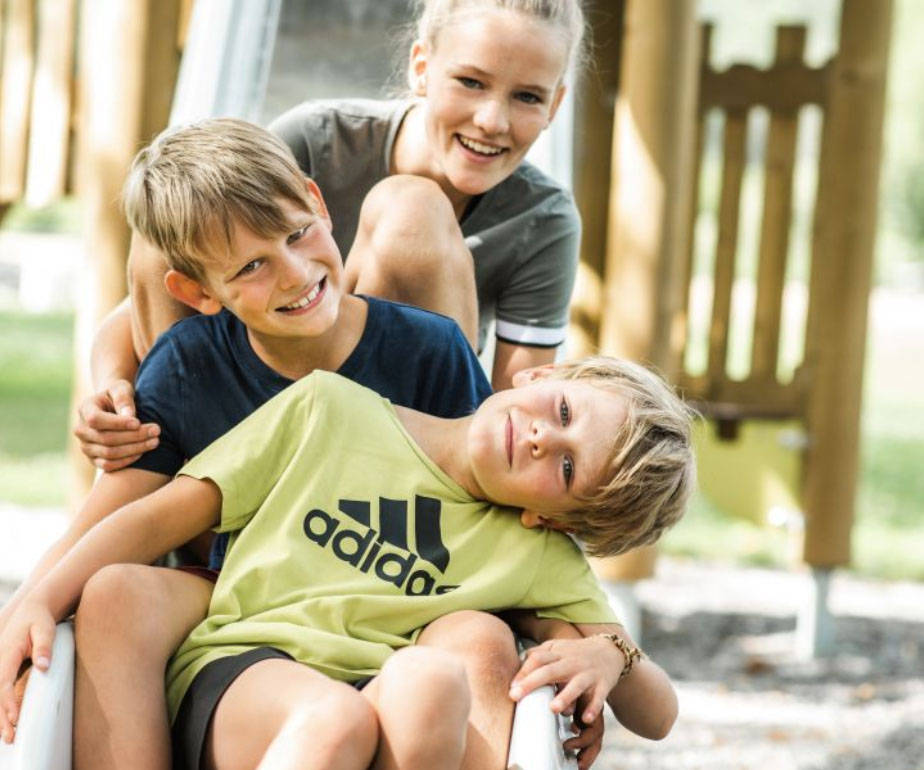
201	699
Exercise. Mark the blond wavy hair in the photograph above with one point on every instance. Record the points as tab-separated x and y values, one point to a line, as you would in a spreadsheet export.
652	465
188	188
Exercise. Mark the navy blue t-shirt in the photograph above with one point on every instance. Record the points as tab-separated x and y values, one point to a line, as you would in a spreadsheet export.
202	377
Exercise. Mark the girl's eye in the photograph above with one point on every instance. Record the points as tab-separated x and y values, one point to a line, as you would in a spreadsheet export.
528	98
567	469
297	235
564	413
469	82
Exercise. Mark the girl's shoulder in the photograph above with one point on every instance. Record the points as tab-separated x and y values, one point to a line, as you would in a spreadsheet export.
323	113
530	192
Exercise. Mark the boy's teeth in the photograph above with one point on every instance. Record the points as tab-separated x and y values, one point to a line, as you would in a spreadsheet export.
306	300
484	149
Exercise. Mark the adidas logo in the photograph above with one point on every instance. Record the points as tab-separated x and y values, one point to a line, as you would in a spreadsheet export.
385	552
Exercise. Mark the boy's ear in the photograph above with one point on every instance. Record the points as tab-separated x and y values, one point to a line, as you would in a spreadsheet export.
531	520
314	192
190	292
417	68
534	373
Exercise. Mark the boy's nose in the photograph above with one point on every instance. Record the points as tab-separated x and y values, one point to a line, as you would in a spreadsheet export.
491	117
293	272
542	438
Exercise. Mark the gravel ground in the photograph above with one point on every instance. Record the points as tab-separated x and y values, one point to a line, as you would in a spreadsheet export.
727	637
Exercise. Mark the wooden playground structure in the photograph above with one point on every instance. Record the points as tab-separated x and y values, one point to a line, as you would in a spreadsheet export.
74	109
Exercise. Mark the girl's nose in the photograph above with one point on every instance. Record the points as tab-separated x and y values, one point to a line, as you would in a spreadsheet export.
491	117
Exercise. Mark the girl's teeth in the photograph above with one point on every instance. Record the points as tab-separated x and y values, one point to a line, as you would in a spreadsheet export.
484	149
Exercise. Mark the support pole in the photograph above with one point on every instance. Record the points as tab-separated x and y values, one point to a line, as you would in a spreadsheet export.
652	160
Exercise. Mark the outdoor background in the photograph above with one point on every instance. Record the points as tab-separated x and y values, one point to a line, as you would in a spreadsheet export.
721	611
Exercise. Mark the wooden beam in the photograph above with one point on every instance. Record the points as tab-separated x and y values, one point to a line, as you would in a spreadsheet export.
650	183
652	159
50	122
845	229
128	61
779	163
784	86
18	64
592	153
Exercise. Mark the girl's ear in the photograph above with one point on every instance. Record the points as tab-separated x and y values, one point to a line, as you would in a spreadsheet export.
534	373
190	292
417	68
556	103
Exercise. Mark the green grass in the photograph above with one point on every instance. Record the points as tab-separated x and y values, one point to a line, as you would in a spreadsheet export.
36	362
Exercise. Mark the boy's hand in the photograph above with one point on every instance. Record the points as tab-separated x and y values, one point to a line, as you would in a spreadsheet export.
108	431
588	742
584	669
29	634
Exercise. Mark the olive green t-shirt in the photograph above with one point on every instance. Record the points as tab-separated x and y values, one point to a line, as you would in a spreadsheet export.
347	540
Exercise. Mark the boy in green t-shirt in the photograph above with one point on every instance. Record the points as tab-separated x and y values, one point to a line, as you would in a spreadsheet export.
356	524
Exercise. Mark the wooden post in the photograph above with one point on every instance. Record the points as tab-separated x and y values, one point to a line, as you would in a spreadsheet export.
15	93
845	226
128	64
593	134
652	160
50	124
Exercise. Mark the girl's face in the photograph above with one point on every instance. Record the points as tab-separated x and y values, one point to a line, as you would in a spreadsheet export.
492	83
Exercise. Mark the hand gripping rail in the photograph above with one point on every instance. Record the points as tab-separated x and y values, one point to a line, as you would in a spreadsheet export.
43	736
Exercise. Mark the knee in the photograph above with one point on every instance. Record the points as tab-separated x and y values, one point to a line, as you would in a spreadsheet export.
431	675
483	642
336	725
119	604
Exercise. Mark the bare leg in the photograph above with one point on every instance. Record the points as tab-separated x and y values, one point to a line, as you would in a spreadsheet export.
282	715
131	619
485	646
422	700
409	248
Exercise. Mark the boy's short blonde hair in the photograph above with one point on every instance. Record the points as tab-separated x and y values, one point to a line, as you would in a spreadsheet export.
652	466
188	188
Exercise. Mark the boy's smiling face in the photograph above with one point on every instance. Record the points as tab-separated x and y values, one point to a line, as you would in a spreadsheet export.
545	444
287	285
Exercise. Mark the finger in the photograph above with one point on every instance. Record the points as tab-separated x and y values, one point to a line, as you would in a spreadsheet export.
587	756
42	637
96	418
122	395
117	445
569	693
549	673
535	659
115	465
589	734
593	709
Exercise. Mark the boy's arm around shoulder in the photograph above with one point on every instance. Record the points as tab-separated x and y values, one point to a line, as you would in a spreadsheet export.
139	532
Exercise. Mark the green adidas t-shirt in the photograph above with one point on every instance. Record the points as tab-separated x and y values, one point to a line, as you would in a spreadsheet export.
347	540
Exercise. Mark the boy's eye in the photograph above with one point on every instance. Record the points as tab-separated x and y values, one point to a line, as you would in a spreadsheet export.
528	98
293	237
469	82
250	267
567	469
564	413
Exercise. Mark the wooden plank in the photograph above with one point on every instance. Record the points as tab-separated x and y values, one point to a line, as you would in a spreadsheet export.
15	93
734	142
777	216
50	122
592	157
750	397
845	228
705	50
784	86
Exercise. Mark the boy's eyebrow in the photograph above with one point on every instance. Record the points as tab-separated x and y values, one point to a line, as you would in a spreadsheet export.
486	75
